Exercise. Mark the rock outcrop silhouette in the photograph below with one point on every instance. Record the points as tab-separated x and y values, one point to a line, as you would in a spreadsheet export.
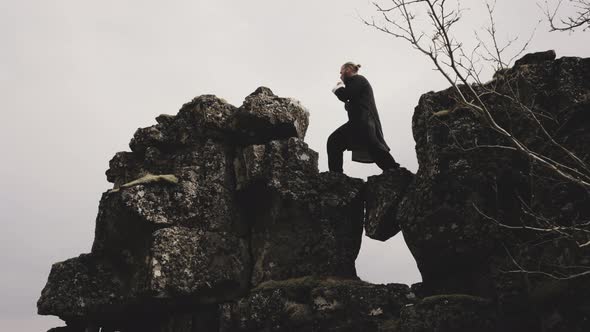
219	220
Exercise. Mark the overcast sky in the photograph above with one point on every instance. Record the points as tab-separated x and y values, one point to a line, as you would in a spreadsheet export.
77	78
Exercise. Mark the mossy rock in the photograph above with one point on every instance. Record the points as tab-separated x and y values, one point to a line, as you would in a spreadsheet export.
454	298
307	281
449	313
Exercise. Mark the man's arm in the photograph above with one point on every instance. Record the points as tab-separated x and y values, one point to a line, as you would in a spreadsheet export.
345	93
339	86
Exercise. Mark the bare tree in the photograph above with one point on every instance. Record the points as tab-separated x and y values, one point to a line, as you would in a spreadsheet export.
428	26
580	19
461	68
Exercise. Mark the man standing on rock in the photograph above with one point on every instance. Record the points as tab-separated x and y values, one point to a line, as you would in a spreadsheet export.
362	134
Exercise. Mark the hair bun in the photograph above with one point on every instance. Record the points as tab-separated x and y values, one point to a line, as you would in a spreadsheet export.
355	67
358	65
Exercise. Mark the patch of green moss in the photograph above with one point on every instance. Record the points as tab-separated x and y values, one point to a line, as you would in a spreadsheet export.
151	178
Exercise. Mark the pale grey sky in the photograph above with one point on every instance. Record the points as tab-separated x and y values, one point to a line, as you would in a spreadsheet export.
77	78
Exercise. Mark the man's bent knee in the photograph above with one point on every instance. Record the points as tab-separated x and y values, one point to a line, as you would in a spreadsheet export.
335	143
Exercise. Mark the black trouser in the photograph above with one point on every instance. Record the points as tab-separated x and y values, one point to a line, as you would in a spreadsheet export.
338	141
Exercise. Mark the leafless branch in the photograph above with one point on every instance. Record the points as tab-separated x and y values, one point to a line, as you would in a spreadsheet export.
546	274
579	19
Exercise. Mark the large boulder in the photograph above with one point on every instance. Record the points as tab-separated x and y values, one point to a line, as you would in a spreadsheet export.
440	215
186	262
169	230
86	286
466	213
179	234
264	116
274	163
206	116
302	222
314	231
195	189
383	194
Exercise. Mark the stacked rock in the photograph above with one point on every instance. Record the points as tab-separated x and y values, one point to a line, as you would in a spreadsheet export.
219	220
207	205
485	219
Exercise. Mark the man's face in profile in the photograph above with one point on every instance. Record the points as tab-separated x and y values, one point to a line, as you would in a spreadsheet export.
345	72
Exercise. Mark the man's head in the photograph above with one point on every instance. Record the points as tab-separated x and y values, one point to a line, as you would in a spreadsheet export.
349	69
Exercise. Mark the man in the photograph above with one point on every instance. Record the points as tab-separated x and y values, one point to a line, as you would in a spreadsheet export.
362	134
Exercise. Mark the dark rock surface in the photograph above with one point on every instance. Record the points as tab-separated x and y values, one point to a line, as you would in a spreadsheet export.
468	191
449	313
264	116
305	226
275	164
188	262
383	195
81	287
219	220
536	58
198	215
451	181
206	116
317	304
302	222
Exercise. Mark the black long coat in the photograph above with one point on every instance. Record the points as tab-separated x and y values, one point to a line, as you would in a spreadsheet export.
363	118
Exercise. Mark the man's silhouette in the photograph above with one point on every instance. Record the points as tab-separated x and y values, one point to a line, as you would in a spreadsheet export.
362	134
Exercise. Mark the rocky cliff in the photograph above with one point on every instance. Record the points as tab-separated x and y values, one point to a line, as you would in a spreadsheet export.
219	220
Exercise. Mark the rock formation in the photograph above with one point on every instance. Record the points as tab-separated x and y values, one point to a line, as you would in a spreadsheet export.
219	220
